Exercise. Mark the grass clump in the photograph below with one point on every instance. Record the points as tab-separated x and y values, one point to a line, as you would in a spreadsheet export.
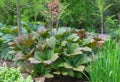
107	67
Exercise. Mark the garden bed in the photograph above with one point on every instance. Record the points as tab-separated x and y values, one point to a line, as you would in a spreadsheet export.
57	78
66	79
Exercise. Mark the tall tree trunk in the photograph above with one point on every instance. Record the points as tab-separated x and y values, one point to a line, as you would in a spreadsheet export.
102	24
119	16
102	27
19	18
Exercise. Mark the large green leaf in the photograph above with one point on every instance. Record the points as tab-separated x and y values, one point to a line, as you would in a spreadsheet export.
42	30
60	31
85	49
1	34
75	61
59	63
25	40
47	56
34	61
51	42
73	37
67	65
84	59
68	72
8	37
48	76
73	49
79	68
41	45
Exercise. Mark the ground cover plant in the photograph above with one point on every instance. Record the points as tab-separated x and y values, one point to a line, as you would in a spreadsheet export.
8	74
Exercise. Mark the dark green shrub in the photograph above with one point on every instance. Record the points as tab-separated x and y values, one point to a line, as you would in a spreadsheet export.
7	12
78	13
30	11
115	9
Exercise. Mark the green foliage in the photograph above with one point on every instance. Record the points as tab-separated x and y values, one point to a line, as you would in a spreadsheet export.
31	26
34	10
6	34
4	49
106	67
73	13
115	34
111	24
78	13
58	51
12	75
7	12
102	7
115	9
30	11
37	10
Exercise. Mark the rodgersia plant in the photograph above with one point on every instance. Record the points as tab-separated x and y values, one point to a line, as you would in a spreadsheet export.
59	51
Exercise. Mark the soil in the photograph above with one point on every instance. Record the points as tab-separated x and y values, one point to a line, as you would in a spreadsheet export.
66	79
